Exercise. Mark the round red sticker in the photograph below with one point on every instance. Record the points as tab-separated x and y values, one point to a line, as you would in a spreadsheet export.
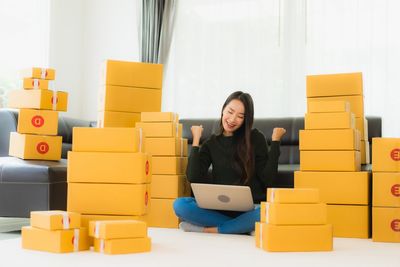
395	154
42	148
147	167
395	190
37	121
146	198
395	224
73	239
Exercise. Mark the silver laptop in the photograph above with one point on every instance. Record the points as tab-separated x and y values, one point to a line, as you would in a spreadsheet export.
223	197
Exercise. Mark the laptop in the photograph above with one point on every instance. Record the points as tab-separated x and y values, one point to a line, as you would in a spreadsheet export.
223	197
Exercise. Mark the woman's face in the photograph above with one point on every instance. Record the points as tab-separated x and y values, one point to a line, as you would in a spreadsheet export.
232	117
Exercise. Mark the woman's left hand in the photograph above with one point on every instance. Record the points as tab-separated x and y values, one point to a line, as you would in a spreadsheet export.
278	133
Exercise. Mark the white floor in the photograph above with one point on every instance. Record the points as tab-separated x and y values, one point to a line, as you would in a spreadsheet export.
171	247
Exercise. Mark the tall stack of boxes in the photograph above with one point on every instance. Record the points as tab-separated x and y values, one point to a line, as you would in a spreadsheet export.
169	155
386	190
36	136
293	220
128	88
331	148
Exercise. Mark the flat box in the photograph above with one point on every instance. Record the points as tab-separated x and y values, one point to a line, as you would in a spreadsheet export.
87	218
122	246
293	195
129	99
354	187
33	121
333	120
386	189
330	160
170	186
55	220
169	165
386	224
293	238
362	126
162	214
166	146
161	129
293	213
86	139
328	106
117	229
108	167
349	220
343	139
58	241
159	117
29	83
117	119
334	84
356	103
364	151
39	73
108	199
127	73
29	146
386	153
38	99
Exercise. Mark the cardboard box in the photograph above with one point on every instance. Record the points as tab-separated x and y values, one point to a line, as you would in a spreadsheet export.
354	187
138	74
86	139
362	126
103	167
365	156
386	224
39	73
293	238
386	189
166	146
349	220
122	246
108	199
386	153
38	99
334	84
343	139
29	83
293	195
33	121
160	117
161	129
58	241
117	119
162	214
328	106
333	120
117	229
293	213
87	218
129	99
55	220
29	146
170	186
169	165
330	160
356	102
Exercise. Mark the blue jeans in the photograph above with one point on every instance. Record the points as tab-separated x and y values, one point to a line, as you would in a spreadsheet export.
187	210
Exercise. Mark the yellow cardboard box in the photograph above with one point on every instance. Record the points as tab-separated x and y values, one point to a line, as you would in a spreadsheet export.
86	139
169	186
386	189
364	151
117	119
334	84
29	146
386	153
354	187
29	83
138	74
39	73
349	220
166	146
108	167
330	160
343	139
58	241
161	129
169	165
33	121
87	218
122	246
117	229
328	106
129	99
55	220
356	102
293	213
293	195
38	99
159	117
108	199
362	126
386	224
293	238
162	214
333	120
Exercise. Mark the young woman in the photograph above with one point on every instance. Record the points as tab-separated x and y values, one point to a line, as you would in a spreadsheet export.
239	155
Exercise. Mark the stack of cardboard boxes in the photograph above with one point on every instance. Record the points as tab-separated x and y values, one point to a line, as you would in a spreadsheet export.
169	154
36	136
293	220
386	190
331	149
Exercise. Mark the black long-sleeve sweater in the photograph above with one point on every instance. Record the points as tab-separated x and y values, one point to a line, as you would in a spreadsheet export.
219	151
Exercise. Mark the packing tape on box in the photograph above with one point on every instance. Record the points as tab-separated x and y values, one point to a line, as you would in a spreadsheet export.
261	235
272	197
76	239
140	139
65	220
54	100
181	147
97	229
101	245
175	117
43	73
35	83
177	129
266	212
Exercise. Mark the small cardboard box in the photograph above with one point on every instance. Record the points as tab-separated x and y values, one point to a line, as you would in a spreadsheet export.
386	153
159	117
162	214
117	229
333	120
166	146
122	246
29	83
169	165
330	160
343	139
386	189
169	186
39	73
385	224
161	129
293	195
349	220
55	220
117	119
38	99
356	102
33	121
328	106
334	84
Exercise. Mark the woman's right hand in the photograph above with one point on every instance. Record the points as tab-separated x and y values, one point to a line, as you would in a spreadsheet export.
197	131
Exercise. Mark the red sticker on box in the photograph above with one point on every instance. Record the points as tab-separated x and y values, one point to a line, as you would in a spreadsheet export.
147	167
54	100
395	154
395	225
37	121
146	198
42	148
395	190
